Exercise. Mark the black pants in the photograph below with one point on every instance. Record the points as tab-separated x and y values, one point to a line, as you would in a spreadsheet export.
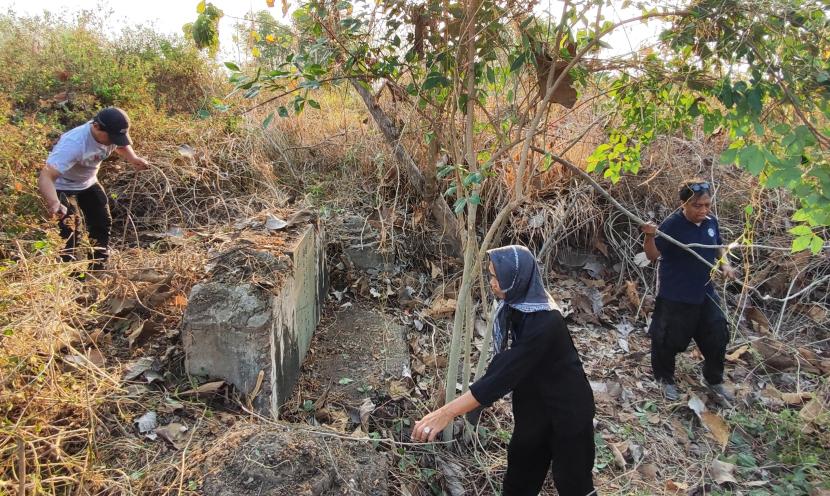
675	324
537	447
92	203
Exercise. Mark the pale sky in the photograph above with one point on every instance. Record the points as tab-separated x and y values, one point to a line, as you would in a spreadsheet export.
168	16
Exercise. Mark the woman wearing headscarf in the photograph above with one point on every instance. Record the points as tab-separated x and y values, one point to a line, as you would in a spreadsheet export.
553	406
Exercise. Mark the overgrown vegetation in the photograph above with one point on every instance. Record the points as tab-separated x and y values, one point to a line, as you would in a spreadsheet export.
434	123
59	73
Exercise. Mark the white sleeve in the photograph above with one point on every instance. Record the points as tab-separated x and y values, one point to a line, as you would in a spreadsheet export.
64	155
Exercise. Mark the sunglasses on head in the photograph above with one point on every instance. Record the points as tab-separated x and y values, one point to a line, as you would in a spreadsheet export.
698	187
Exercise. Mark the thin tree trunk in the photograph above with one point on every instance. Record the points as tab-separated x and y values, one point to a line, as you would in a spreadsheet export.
441	212
484	356
462	303
470	242
472	310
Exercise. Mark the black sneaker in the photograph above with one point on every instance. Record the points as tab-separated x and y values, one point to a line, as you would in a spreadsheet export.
721	393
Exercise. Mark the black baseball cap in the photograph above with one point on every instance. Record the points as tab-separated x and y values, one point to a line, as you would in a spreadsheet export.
116	124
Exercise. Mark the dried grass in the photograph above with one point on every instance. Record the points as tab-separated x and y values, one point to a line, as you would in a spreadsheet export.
206	176
67	417
62	394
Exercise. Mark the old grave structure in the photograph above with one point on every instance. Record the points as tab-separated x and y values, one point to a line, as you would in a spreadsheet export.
250	321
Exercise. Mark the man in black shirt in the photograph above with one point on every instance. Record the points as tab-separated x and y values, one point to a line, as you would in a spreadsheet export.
687	305
553	405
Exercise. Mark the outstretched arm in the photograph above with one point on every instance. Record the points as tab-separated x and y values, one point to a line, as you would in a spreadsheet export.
428	428
128	154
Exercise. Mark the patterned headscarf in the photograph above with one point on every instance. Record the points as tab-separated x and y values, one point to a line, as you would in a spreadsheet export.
520	279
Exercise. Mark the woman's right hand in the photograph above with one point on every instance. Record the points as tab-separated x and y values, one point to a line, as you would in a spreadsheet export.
429	427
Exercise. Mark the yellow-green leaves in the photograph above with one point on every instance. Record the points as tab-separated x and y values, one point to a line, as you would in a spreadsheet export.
205	31
806	238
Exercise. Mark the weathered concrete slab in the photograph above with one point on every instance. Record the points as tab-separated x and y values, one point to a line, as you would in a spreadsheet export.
253	330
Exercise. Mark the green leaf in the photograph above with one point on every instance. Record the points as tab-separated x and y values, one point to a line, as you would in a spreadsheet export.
254	91
816	245
728	156
451	190
435	79
282	111
202	114
474	178
711	122
299	104
801	230
725	95
345	381
491	75
805	135
781	128
313	103
445	171
232	66
267	121
801	243
753	98
462	103
800	215
546	163
310	84
518	62
459	205
475	200
752	159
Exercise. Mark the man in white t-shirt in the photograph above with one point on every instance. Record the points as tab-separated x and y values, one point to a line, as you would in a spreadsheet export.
69	180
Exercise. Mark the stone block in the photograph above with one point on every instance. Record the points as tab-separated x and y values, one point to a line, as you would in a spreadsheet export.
236	330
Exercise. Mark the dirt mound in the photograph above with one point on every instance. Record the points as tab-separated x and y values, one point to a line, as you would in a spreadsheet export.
276	461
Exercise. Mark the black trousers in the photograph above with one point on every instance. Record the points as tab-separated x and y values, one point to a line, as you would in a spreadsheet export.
675	324
93	205
536	447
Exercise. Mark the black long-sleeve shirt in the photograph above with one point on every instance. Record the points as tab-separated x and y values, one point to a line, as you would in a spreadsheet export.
541	363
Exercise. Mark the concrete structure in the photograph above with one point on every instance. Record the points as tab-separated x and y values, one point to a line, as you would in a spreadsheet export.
234	331
361	243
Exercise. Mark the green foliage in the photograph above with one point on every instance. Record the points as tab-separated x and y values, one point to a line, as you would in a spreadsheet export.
757	72
205	29
781	443
604	457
